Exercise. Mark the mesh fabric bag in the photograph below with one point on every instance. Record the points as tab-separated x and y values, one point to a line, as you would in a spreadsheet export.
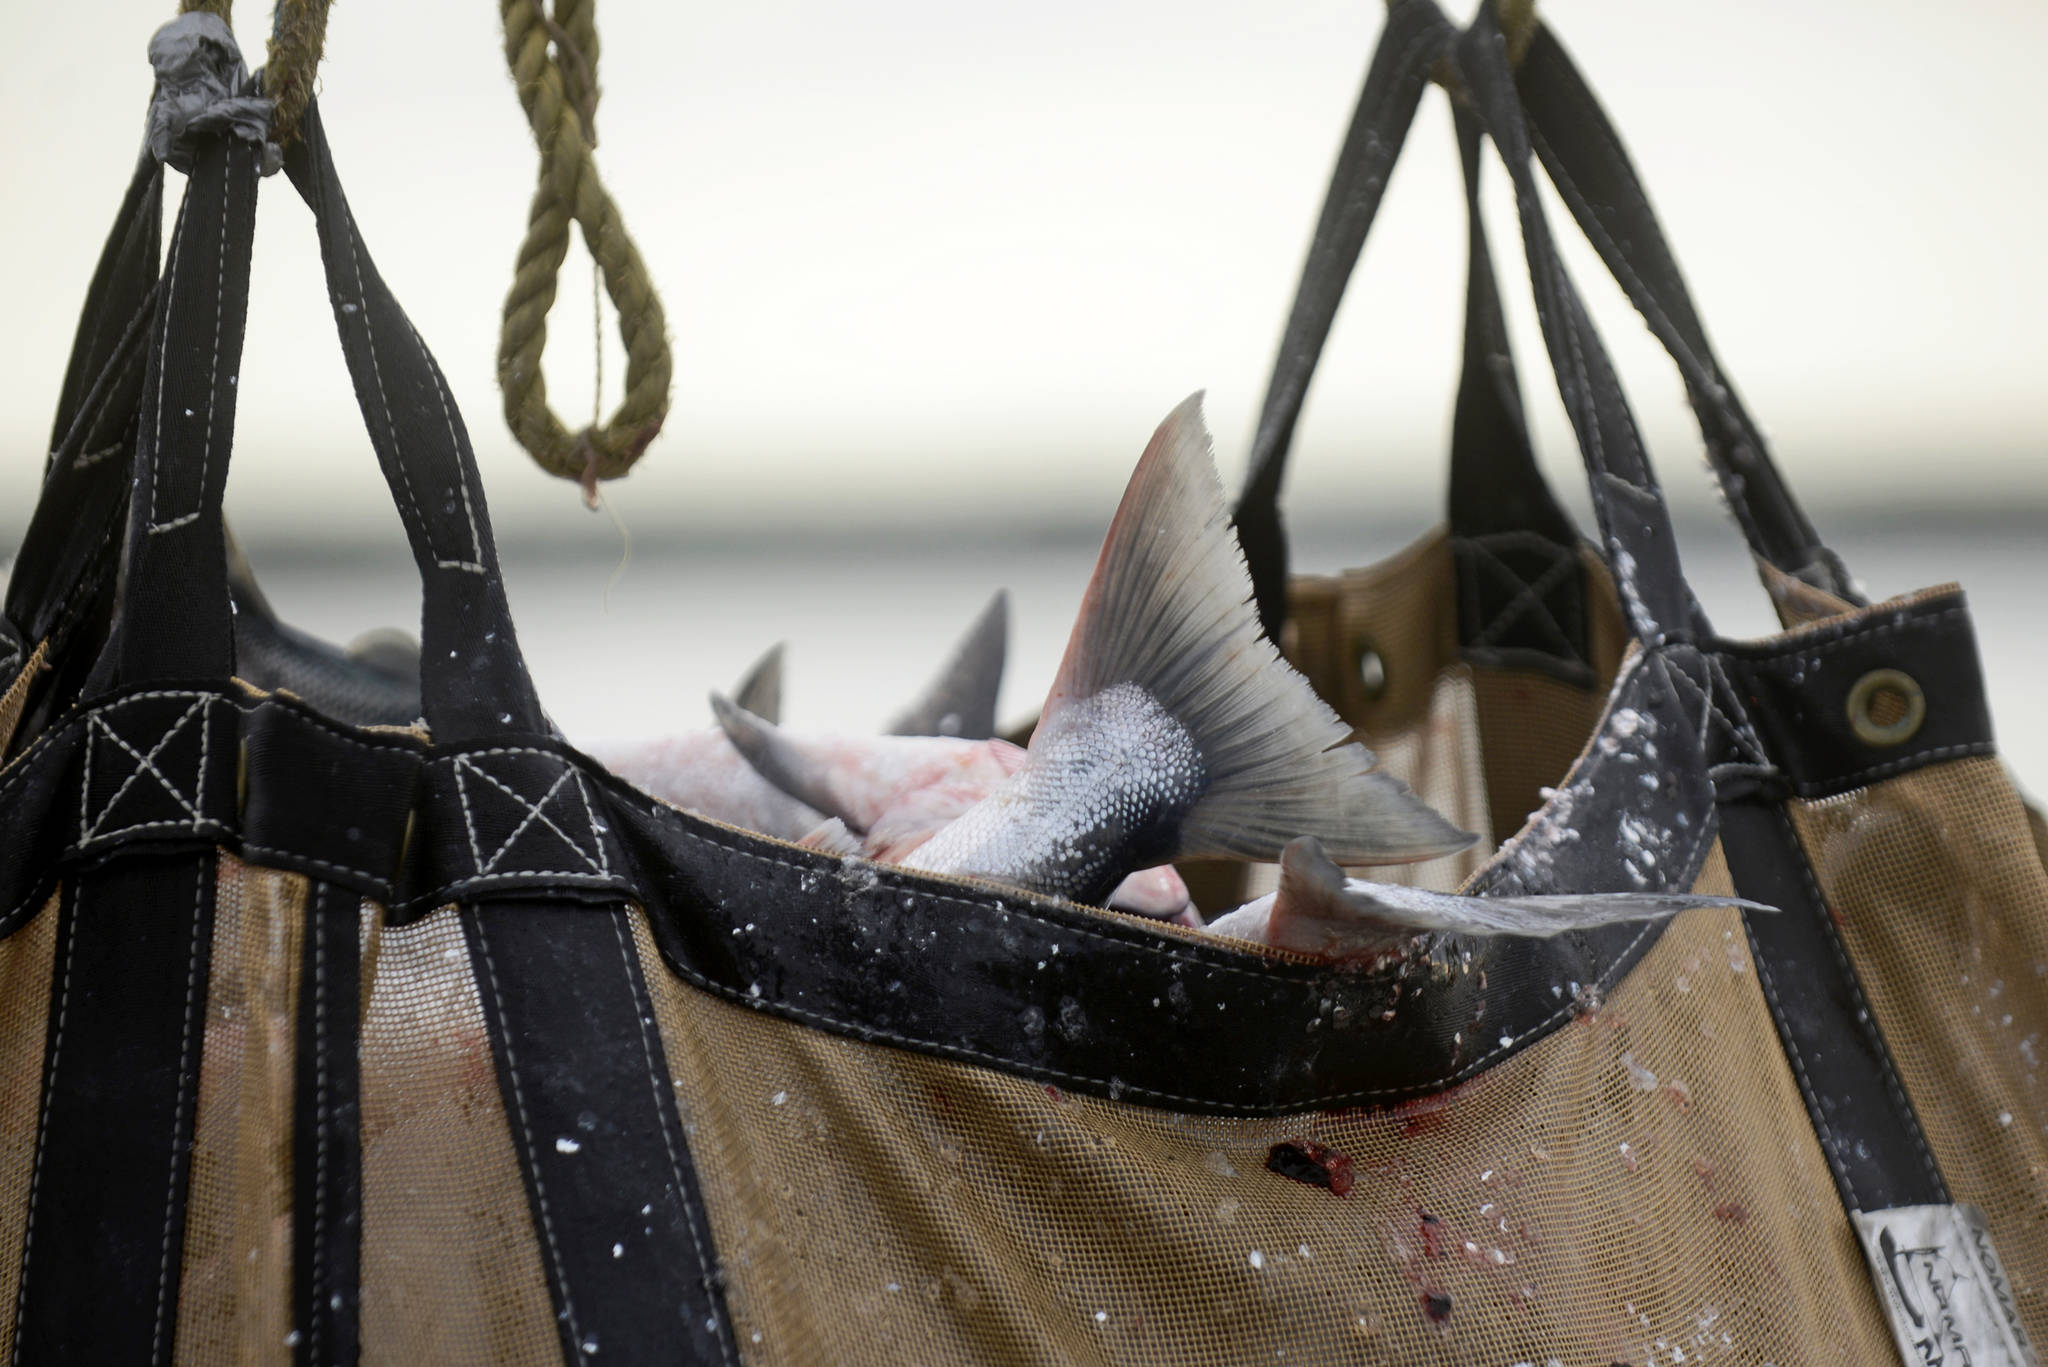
325	1041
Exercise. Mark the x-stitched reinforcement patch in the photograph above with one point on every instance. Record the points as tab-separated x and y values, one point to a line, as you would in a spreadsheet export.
145	766
521	807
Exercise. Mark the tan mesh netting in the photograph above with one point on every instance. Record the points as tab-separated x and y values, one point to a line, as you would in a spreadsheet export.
15	698
1643	1184
1937	884
234	1296
451	1270
26	959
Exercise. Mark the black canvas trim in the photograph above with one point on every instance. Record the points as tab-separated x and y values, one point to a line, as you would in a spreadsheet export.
327	1175
104	1241
1861	1115
927	963
1415	36
1797	688
1586	161
624	1236
1102	1005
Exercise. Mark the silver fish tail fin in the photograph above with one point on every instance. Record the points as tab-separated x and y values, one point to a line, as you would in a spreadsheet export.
1319	909
961	701
1169	609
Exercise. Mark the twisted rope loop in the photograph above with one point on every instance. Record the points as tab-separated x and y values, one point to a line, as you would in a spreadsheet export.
554	65
296	39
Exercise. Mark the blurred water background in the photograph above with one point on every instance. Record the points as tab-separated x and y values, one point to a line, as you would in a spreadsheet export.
633	650
933	272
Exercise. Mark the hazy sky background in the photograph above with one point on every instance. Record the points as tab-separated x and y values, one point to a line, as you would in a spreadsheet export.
932	262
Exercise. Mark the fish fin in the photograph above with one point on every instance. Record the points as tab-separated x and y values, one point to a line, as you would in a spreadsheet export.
1318	908
760	688
1169	608
776	757
961	701
832	838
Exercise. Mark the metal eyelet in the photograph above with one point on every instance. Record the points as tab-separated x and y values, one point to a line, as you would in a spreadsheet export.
1372	671
1886	707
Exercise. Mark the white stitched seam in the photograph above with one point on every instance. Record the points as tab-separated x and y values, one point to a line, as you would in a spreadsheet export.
251	847
377	370
476	851
185	1071
1320	1102
642	1009
1912	761
533	813
28	1238
1830	640
1813	1107
1904	1108
144	763
167	288
213	371
1529	594
604	859
540	1191
474	564
316	924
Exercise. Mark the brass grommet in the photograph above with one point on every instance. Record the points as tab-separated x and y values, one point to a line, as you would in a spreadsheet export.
1886	707
1372	671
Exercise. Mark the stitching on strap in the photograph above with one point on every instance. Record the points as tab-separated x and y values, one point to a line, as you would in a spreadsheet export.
540	1190
318	913
167	292
97	724
213	372
1904	1109
35	1185
663	1113
1529	602
185	1071
473	564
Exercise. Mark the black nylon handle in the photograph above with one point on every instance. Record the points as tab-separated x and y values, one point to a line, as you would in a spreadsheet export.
73	536
1635	522
176	617
1416	35
1586	161
175	620
1496	485
473	679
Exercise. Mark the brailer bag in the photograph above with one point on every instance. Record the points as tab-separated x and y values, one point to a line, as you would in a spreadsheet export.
1456	659
440	1044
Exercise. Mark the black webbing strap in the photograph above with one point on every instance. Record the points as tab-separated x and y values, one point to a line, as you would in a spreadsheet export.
1522	589
1635	521
104	1243
56	590
1861	1115
327	1167
1591	169
1414	37
624	1236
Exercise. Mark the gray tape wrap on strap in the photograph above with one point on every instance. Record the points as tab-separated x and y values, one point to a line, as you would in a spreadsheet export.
203	87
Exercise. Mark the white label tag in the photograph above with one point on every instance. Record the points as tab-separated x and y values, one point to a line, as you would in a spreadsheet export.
1943	1287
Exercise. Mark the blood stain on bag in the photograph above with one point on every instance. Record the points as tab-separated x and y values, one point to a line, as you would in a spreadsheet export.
1312	1164
1432	1235
1437	1306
